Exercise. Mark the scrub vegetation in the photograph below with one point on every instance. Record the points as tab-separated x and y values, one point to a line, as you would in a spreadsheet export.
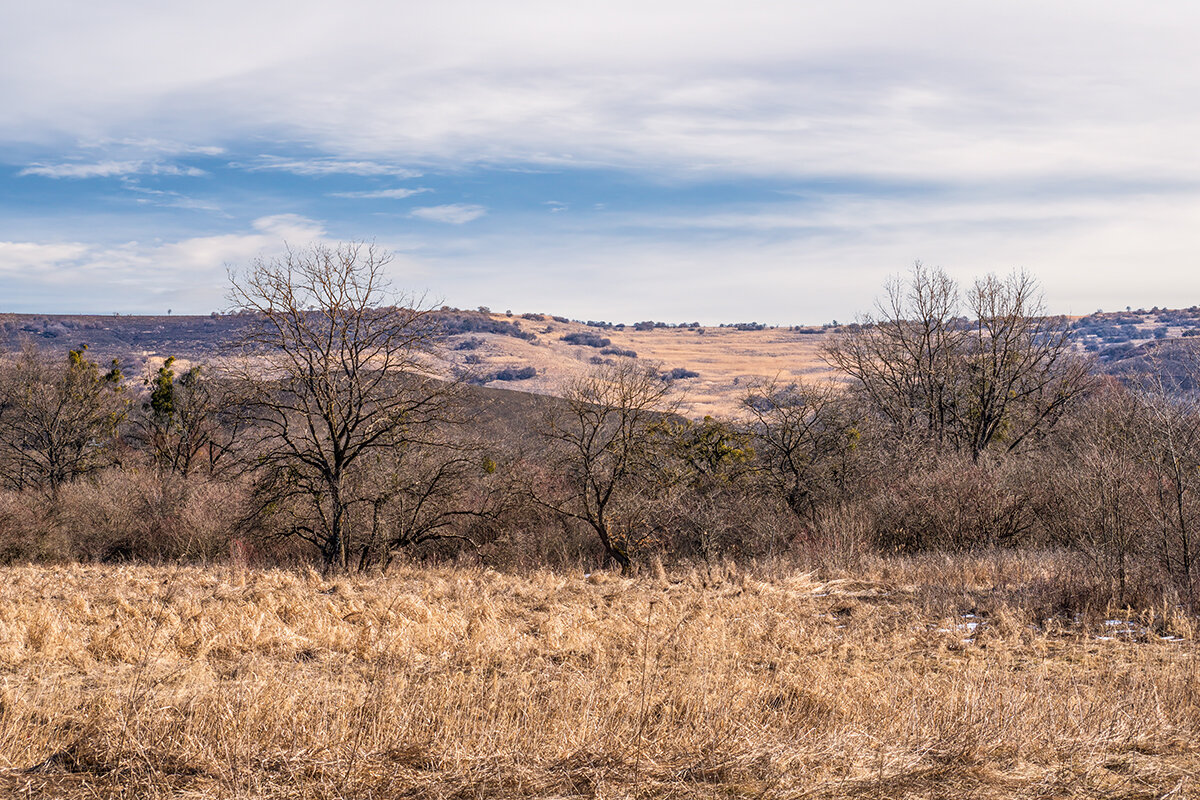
327	562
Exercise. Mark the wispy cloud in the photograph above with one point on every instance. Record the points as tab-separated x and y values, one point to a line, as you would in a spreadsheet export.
147	145
325	166
379	194
109	169
187	273
170	199
452	213
955	125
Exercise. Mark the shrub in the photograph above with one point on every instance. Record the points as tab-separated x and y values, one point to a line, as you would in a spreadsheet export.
586	339
515	374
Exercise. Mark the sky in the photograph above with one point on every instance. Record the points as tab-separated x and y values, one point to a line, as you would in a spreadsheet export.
699	161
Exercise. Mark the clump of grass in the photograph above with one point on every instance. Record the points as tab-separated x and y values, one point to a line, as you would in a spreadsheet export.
443	682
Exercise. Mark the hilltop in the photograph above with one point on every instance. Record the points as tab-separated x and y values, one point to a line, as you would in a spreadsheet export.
532	352
539	353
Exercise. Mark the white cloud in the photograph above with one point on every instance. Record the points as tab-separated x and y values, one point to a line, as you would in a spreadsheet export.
188	274
290	227
379	194
325	166
108	169
169	199
17	259
453	213
991	106
152	145
928	89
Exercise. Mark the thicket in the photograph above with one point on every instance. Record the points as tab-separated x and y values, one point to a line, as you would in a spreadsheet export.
586	339
944	436
455	322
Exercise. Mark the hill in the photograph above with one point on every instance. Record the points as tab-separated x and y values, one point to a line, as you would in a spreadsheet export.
539	353
531	353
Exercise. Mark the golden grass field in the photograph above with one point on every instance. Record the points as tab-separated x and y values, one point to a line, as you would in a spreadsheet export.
154	682
729	361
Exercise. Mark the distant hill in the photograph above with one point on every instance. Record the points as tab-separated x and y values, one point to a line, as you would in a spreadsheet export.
538	353
531	352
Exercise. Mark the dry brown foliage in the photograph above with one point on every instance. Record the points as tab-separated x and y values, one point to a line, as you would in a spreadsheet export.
187	682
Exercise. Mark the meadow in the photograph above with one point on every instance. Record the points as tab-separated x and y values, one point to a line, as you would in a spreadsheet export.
929	676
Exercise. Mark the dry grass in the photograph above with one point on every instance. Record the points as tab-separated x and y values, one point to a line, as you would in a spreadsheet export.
174	682
727	359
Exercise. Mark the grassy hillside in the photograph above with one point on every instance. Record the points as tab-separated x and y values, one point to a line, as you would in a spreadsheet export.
726	359
492	349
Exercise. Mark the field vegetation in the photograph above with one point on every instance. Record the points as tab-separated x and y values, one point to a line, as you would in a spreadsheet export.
921	677
963	561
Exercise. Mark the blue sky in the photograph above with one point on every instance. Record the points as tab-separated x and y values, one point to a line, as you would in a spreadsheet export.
773	161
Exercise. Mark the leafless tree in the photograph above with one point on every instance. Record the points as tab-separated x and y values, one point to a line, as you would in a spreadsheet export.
804	440
1020	372
607	437
185	424
1168	437
336	367
903	357
1000	375
1096	503
58	419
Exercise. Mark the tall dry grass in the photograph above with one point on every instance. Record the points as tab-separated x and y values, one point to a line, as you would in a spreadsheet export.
183	682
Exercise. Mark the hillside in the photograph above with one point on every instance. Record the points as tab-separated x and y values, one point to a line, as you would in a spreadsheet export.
479	346
539	353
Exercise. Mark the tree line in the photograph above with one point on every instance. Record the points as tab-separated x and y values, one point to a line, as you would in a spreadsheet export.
962	418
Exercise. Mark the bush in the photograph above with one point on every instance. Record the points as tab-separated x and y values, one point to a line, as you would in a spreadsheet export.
515	374
586	339
679	374
122	515
453	323
617	351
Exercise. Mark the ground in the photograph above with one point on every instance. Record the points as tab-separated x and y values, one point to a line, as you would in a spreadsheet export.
902	679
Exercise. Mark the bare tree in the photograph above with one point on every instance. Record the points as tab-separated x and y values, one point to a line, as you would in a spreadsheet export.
1168	437
804	441
58	420
1001	376
424	493
1020	372
336	368
607	436
1096	505
903	357
184	424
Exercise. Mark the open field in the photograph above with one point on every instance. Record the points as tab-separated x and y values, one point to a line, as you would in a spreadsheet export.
729	361
220	682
